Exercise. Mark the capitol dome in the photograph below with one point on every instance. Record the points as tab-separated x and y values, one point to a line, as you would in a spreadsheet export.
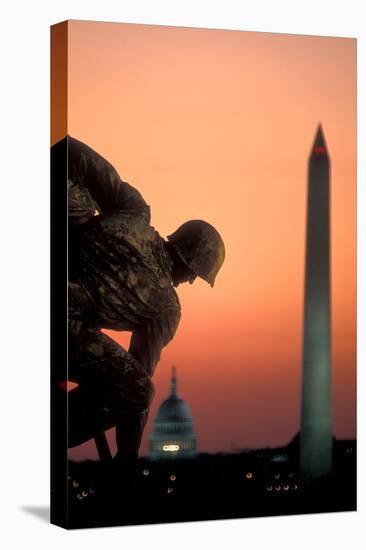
173	435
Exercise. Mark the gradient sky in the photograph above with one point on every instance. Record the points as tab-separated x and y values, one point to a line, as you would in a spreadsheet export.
218	125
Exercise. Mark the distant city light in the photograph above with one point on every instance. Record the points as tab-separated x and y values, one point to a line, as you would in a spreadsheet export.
172	477
145	472
278	487
249	475
170	490
171	448
269	487
286	487
277	476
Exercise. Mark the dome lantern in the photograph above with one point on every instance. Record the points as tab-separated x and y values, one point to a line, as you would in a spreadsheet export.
173	383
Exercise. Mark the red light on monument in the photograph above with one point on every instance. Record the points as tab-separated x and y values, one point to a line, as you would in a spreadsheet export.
319	150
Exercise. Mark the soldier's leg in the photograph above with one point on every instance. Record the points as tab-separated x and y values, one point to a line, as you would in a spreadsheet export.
113	386
128	437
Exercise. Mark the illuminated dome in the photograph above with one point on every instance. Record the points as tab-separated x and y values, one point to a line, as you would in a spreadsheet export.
173	435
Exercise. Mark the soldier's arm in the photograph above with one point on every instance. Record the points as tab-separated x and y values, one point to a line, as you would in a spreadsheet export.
89	169
148	341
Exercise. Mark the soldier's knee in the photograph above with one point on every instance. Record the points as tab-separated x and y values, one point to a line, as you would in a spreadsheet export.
141	393
147	392
151	391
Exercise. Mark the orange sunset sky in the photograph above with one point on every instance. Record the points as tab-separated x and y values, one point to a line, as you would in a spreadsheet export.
218	125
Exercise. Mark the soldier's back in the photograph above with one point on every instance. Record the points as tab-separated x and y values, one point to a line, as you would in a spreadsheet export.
124	267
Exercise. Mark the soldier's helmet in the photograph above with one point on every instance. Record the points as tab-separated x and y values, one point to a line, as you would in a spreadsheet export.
200	247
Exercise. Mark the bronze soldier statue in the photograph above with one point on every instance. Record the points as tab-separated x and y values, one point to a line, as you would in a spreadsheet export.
122	275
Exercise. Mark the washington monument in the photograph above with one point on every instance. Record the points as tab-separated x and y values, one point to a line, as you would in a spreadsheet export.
316	409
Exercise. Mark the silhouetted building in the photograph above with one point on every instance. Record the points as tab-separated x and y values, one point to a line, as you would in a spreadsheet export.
316	413
173	435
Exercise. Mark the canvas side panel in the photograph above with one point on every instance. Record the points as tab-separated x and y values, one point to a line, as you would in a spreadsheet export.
59	490
59	60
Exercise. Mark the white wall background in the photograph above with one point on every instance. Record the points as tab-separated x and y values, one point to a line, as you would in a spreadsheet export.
24	257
